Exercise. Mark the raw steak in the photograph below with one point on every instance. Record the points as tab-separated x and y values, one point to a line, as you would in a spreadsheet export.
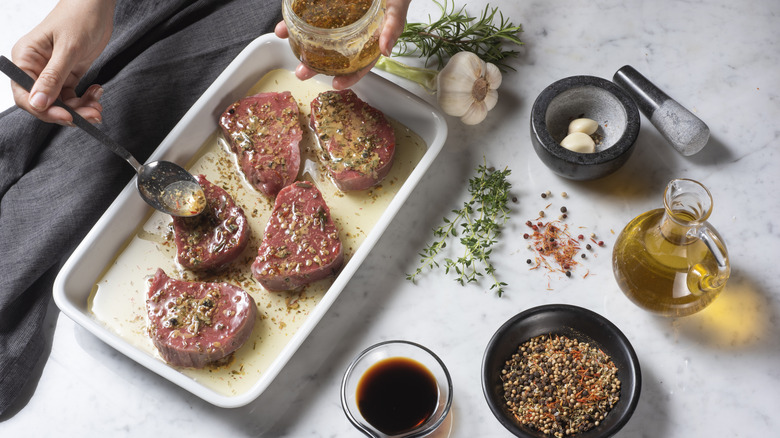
215	237
301	243
357	141
193	324
264	131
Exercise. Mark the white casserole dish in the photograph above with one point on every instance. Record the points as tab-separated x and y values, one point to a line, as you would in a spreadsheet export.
109	236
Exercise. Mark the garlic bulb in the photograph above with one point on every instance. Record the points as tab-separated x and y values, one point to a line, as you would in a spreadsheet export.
467	87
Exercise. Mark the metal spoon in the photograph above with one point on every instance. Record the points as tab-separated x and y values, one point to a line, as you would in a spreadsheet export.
163	185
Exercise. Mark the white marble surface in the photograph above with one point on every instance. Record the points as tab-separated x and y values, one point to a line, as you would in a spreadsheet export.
712	374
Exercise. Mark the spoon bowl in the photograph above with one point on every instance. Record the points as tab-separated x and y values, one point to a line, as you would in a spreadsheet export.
164	185
169	188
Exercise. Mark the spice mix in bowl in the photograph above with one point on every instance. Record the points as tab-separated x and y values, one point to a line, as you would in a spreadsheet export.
559	370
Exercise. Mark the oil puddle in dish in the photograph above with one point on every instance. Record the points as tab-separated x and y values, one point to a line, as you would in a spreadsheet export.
118	298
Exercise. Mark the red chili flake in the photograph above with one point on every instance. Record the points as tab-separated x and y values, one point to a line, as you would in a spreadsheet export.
554	246
581	237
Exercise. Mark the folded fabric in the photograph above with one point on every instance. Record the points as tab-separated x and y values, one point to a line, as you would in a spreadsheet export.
55	182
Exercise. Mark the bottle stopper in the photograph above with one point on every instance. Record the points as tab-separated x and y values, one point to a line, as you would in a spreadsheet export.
683	130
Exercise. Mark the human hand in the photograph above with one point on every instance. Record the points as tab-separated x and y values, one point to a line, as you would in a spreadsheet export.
57	53
395	17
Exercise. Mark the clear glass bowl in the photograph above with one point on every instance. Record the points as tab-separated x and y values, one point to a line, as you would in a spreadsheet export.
387	350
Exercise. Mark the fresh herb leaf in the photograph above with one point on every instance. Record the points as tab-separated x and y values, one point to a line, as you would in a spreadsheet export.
456	31
480	221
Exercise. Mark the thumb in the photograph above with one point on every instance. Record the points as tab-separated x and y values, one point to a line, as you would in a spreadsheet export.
50	81
395	17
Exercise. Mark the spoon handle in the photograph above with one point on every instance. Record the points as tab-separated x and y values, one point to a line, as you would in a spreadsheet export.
25	81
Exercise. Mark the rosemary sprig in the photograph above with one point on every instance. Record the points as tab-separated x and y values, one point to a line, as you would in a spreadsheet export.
456	31
479	221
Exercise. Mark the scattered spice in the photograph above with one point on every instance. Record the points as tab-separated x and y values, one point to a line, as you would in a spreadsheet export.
554	247
560	386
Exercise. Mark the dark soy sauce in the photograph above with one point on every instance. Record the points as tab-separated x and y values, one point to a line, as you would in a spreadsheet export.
397	395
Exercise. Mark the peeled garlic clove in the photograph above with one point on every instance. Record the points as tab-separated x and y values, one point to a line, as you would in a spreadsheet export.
579	142
587	126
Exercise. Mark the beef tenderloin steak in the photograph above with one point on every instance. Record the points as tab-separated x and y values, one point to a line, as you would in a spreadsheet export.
264	131
357	141
193	324
301	243
215	237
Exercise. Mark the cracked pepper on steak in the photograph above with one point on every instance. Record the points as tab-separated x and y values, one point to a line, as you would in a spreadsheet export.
301	243
264	132
215	237
356	140
193	324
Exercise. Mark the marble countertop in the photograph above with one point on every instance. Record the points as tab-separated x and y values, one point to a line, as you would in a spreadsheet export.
711	374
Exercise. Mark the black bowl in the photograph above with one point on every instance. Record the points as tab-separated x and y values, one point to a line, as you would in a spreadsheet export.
594	98
572	322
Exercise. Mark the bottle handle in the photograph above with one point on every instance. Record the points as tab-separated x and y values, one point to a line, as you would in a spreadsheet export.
710	241
705	279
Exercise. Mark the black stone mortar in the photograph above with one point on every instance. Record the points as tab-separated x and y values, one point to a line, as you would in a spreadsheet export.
594	98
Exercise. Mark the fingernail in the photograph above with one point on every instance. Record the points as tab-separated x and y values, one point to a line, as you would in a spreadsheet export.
39	101
99	93
95	120
64	123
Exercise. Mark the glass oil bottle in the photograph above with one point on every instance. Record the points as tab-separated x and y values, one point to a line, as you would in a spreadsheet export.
670	261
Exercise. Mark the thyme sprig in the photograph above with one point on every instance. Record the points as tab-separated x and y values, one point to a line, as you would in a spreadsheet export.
456	31
479	222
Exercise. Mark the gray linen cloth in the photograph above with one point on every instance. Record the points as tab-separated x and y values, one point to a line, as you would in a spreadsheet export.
55	182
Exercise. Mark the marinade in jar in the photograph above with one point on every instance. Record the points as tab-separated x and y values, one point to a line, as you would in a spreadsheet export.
331	14
334	37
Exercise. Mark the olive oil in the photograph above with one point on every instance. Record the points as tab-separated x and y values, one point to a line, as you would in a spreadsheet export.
669	261
397	395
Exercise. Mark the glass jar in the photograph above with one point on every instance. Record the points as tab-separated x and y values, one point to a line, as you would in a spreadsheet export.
323	43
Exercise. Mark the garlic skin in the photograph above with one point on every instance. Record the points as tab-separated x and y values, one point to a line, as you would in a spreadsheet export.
467	87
